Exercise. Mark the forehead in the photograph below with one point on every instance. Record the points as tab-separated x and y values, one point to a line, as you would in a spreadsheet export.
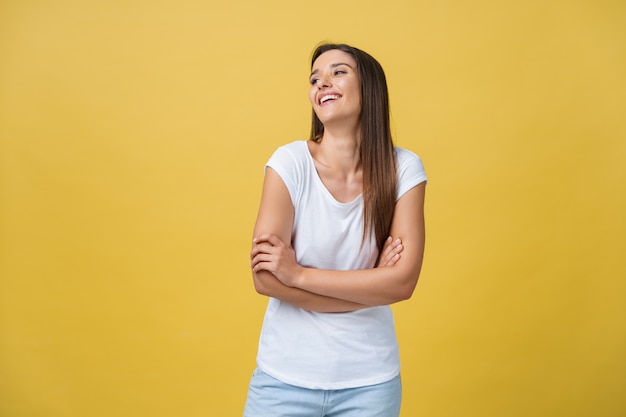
334	56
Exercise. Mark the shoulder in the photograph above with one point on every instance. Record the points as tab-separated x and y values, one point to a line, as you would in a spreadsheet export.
405	156
290	156
408	160
291	163
297	150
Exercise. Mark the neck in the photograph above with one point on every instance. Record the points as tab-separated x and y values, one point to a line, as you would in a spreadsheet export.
340	149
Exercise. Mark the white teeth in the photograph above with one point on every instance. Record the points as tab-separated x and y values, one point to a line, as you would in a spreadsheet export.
328	97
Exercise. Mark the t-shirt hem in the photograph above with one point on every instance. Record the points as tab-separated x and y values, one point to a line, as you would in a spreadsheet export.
363	382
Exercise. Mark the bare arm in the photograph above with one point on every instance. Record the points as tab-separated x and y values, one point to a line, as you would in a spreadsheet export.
370	287
275	218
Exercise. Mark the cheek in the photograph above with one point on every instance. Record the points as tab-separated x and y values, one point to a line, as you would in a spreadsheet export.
356	90
312	96
356	99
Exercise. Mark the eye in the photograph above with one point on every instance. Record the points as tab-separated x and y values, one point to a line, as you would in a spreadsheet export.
314	81
340	72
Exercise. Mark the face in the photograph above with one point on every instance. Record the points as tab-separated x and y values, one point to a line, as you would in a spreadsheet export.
335	92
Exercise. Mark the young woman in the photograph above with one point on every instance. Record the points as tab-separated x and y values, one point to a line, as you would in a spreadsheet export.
339	237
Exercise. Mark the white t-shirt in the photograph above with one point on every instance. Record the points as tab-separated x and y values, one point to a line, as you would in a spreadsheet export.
330	350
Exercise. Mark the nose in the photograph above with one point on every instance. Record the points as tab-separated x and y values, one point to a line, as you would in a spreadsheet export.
323	82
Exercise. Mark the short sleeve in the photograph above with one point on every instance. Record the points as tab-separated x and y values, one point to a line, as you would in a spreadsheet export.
410	171
287	165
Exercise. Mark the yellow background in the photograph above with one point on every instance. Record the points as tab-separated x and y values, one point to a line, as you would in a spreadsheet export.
132	142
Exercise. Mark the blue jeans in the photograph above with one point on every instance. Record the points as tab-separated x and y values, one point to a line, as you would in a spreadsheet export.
268	397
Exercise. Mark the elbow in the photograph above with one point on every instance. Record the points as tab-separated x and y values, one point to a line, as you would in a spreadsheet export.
259	285
259	289
405	290
404	294
406	280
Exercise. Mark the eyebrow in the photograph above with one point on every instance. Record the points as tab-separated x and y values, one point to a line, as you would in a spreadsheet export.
332	66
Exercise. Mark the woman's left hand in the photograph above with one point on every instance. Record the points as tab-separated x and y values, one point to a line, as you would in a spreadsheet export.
271	254
390	253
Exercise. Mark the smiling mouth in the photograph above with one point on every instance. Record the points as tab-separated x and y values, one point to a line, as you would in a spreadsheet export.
328	98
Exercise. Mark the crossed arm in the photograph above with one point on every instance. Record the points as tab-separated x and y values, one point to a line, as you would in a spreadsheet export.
277	274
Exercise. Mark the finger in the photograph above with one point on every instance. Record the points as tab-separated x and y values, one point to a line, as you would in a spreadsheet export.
387	244
398	248
270	238
260	259
393	243
392	261
391	252
265	266
384	254
263	247
261	266
386	247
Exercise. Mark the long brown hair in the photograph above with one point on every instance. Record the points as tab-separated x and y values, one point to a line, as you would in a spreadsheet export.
376	151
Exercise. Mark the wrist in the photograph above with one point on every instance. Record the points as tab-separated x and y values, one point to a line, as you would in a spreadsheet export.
300	277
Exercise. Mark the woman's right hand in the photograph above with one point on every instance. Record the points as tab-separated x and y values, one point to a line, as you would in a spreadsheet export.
271	254
390	253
